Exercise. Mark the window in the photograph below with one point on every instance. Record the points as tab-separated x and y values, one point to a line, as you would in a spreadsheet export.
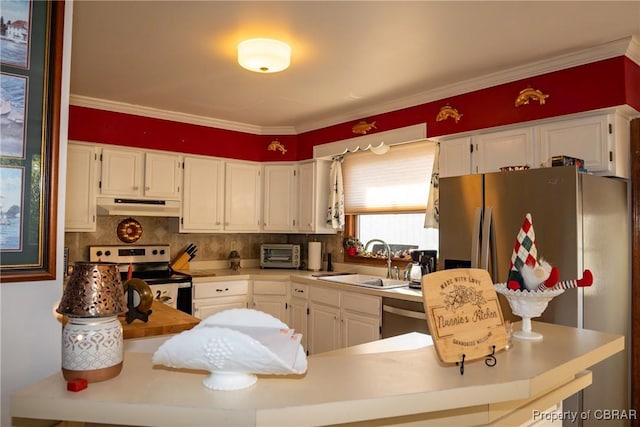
403	231
387	195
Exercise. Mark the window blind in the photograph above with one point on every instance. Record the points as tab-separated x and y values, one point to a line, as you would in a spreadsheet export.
397	181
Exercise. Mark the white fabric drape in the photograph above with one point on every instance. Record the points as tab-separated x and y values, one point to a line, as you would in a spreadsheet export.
432	215
335	212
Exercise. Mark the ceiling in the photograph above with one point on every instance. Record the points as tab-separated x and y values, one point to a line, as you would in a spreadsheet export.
350	59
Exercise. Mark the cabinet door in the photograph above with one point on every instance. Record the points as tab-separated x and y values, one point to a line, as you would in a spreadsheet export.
280	198
203	195
455	157
586	138
121	173
306	197
162	176
324	328
359	328
298	317
202	310
313	197
274	305
242	197
80	202
499	149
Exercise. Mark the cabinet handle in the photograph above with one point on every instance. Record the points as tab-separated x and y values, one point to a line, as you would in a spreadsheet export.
217	222
135	187
147	188
222	290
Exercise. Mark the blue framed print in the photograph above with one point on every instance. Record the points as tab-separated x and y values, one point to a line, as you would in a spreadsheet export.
30	67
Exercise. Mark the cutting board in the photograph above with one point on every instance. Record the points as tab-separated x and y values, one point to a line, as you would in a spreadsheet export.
163	320
463	314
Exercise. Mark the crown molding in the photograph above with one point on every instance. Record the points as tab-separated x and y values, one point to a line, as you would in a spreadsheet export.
629	46
175	116
633	51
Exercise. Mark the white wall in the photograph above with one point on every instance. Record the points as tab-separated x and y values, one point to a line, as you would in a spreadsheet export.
30	334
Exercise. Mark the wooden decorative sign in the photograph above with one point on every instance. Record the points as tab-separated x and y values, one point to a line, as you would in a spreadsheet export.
464	314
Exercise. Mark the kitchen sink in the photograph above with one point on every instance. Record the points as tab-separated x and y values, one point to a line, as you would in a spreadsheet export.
367	281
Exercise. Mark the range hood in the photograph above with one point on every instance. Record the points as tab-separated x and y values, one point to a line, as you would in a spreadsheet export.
139	207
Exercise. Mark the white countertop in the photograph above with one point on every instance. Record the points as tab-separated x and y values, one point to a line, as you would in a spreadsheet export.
396	377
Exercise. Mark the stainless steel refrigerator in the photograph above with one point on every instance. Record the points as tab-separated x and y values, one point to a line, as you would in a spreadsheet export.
581	221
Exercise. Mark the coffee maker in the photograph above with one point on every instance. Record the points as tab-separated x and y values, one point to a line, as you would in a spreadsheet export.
424	262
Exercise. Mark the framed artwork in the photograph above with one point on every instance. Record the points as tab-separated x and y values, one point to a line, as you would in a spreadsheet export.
30	67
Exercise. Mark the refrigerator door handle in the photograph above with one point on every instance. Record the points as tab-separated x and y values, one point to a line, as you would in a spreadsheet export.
489	244
475	237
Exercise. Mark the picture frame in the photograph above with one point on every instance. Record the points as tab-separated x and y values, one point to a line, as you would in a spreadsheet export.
29	137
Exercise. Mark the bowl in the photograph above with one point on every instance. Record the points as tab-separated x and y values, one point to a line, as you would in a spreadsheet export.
527	305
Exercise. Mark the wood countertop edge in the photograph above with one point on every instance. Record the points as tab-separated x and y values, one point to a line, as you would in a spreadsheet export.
162	321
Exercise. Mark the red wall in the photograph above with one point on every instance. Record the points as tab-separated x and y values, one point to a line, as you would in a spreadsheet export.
588	87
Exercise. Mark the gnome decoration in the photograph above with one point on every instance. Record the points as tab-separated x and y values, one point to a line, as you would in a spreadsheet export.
528	272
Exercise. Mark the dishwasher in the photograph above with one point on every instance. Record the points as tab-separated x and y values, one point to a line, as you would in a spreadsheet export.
401	317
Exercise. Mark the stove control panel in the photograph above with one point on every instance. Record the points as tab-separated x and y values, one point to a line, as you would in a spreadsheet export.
129	254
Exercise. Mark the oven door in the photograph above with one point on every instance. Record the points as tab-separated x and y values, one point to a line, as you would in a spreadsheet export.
174	294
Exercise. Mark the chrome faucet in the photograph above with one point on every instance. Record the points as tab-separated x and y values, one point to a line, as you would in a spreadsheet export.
388	253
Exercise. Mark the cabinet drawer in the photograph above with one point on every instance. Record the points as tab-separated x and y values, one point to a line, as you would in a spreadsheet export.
299	290
361	303
324	295
269	287
219	289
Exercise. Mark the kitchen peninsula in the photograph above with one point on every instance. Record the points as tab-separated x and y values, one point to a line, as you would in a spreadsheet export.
394	380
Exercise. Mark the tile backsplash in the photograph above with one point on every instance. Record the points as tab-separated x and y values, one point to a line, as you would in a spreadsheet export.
211	247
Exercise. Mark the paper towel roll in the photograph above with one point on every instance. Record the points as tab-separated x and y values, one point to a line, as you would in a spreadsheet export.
314	262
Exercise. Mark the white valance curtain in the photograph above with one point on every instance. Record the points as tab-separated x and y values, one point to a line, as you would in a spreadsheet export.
335	211
397	181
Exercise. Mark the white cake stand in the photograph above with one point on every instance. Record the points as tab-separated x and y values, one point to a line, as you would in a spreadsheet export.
527	304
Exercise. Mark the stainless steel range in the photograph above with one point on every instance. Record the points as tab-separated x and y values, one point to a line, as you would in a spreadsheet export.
150	263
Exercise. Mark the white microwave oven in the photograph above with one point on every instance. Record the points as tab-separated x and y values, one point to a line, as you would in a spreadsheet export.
279	256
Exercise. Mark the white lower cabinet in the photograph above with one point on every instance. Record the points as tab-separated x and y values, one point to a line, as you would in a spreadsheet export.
212	297
324	328
271	297
340	319
361	317
298	308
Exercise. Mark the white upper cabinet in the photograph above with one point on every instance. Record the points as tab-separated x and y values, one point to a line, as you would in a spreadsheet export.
121	173
486	152
313	197
131	173
602	141
499	149
80	201
455	157
162	176
203	195
243	192
280	198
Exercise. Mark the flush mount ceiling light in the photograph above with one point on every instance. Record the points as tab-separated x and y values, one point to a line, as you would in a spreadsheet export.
264	55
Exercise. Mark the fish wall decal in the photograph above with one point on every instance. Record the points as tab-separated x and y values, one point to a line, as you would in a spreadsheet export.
363	127
276	146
